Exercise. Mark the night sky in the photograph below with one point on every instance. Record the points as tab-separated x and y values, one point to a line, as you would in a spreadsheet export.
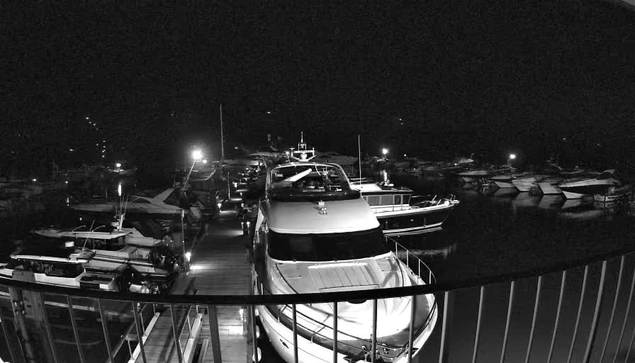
435	79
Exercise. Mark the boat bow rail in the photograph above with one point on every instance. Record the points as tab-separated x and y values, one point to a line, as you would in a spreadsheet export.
600	283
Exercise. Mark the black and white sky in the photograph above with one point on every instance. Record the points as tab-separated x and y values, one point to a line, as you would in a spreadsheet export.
430	78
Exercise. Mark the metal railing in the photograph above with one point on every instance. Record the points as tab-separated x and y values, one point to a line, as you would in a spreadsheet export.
574	312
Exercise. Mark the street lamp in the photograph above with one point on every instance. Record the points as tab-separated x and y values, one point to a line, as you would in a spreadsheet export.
196	156
384	152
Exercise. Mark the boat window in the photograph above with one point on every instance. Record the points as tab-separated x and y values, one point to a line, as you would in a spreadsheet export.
386	200
63	269
397	199
327	247
406	199
373	200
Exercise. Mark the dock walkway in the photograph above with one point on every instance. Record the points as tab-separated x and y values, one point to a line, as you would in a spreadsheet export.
219	266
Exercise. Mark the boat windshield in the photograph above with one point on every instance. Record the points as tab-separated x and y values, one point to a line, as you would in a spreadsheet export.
327	247
310	182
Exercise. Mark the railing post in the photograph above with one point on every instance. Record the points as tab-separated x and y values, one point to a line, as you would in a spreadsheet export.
411	328
563	284
212	316
5	332
252	312
47	328
628	309
448	305
577	319
104	326
177	340
295	333
135	316
510	304
533	319
335	332
374	337
74	325
596	314
617	295
481	300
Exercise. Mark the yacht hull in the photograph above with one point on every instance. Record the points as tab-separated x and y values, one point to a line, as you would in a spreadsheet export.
281	338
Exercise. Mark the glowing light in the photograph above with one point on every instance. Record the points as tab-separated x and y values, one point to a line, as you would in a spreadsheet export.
197	154
384	151
34	180
204	161
118	165
119	189
512	156
188	256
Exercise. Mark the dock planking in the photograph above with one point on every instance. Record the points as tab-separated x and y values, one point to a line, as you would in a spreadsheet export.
220	265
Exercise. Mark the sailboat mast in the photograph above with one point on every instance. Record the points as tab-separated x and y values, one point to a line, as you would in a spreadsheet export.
359	156
222	143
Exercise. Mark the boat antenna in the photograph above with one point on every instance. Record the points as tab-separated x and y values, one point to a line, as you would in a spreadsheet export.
359	156
91	229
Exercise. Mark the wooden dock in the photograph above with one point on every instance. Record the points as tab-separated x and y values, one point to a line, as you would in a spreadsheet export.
219	266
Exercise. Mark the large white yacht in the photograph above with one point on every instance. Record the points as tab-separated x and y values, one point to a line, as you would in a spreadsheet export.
315	234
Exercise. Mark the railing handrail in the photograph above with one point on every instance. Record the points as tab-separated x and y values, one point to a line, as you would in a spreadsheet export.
316	297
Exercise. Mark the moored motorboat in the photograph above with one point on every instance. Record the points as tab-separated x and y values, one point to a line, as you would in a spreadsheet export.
580	187
613	194
62	267
401	213
315	234
549	185
154	263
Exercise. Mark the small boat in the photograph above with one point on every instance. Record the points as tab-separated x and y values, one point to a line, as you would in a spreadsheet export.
62	267
614	194
165	203
401	213
587	186
154	262
315	234
549	185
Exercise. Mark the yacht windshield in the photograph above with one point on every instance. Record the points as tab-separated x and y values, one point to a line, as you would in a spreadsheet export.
327	247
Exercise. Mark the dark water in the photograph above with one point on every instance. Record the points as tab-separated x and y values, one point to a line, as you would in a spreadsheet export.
495	232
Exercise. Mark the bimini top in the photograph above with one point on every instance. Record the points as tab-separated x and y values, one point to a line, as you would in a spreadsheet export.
307	181
304	217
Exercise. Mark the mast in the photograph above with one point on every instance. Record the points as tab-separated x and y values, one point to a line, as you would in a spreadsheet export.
359	156
222	143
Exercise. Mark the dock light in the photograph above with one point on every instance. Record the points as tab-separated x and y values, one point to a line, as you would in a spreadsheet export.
196	155
188	256
204	161
118	165
512	156
384	152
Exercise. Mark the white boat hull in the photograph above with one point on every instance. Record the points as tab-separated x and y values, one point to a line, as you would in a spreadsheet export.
504	184
281	339
549	188
572	195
